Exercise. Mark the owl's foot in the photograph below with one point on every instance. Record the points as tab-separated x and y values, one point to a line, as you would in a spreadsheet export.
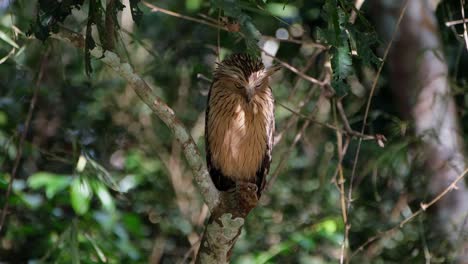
240	200
247	193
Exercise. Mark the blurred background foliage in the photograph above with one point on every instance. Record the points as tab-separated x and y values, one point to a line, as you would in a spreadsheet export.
101	180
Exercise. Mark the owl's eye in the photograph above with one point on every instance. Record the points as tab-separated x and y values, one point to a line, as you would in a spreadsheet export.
238	86
258	86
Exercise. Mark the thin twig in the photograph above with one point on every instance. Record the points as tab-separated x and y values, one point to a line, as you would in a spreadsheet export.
200	76
291	122
305	100
191	250
349	133
283	160
424	207
210	19
297	80
294	118
139	41
200	173
343	117
295	41
295	70
461	240
299	42
274	16
218	26
465	33
64	235
175	14
455	22
158	250
6	145
11	53
427	252
369	100
357	6
218	38
27	123
341	187
341	154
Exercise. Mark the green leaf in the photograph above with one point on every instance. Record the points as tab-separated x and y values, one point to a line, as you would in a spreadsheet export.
102	174
193	5
3	180
341	88
283	10
341	62
74	243
96	247
232	9
104	196
365	44
80	195
49	14
3	118
335	33
329	226
53	183
94	18
133	224
8	40
330	9
137	14
275	250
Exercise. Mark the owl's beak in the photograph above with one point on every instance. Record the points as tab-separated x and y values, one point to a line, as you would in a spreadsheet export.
250	93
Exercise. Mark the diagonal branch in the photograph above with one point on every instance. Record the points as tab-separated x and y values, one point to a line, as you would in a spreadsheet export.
209	22
348	131
161	109
424	206
465	34
27	123
228	209
371	94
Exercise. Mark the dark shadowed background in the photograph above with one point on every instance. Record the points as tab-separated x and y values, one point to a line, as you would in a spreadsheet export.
98	178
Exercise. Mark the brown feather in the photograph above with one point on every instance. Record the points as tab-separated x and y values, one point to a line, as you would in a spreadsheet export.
239	123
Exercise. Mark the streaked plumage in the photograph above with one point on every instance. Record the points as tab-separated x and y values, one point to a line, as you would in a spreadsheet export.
239	123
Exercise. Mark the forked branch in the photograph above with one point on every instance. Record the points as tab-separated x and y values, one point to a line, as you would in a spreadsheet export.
228	210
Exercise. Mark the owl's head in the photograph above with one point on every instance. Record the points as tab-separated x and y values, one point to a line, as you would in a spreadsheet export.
243	74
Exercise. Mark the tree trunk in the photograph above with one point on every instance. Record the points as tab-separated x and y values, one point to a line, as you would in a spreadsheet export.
225	224
420	84
228	209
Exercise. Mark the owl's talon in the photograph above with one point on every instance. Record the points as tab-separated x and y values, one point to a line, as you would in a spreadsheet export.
246	187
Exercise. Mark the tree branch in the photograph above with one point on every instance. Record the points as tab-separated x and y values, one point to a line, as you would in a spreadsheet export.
22	139
420	81
228	209
160	108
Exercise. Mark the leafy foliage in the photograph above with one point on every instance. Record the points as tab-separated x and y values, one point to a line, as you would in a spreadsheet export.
137	14
335	35
234	10
101	179
51	13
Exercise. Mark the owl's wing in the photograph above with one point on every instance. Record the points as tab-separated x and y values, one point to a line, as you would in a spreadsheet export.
265	167
221	182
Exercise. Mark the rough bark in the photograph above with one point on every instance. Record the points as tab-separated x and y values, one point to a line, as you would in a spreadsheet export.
225	224
228	209
420	84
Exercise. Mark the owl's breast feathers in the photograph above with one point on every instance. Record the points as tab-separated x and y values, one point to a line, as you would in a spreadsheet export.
239	137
